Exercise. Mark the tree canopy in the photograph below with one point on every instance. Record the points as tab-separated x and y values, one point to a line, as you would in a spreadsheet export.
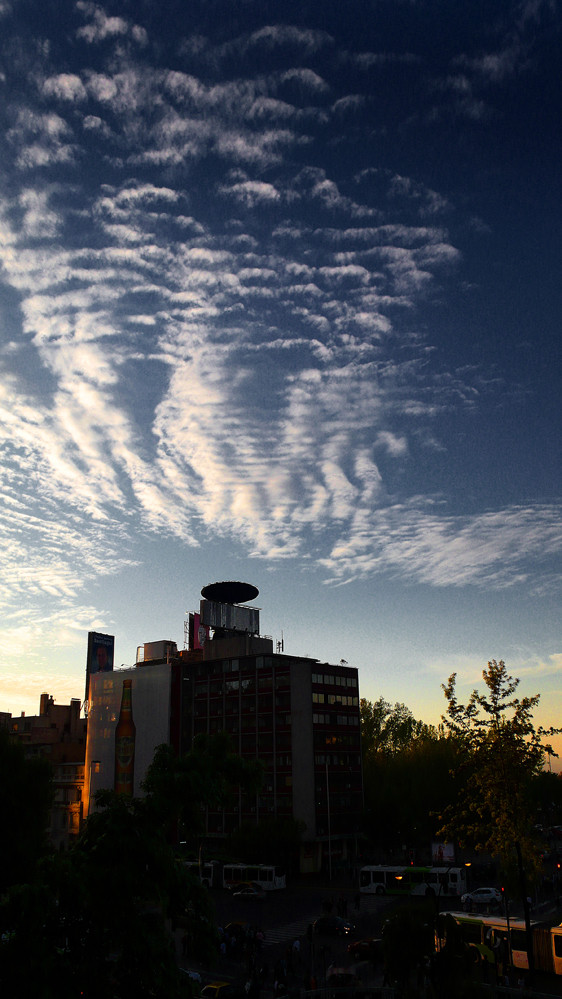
179	787
387	728
501	756
501	753
98	920
406	775
27	793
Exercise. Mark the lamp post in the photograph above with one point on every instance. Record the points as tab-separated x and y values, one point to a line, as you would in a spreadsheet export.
329	825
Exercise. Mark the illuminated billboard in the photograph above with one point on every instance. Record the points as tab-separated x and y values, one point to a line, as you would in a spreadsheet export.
100	656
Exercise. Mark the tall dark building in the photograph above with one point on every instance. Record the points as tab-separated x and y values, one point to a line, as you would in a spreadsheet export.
298	716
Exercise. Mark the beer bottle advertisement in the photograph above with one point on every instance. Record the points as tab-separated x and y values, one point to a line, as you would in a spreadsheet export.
125	743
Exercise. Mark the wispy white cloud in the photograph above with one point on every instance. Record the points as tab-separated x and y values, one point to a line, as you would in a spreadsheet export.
103	26
218	330
490	550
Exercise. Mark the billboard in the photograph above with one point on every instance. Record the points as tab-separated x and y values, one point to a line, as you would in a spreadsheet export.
198	632
230	617
100	656
442	853
117	754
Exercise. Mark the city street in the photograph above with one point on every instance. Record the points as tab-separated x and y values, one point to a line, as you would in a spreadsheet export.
287	915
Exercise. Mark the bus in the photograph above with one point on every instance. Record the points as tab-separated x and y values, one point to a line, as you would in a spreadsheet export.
495	938
384	879
267	876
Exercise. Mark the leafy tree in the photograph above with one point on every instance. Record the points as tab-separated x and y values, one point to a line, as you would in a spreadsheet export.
406	791
27	792
406	775
99	922
179	787
388	729
502	753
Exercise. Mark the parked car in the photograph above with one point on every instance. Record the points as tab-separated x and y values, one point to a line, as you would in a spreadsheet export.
369	949
333	926
249	891
223	990
482	897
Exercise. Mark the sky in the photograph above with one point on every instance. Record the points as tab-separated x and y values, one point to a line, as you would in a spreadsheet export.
280	302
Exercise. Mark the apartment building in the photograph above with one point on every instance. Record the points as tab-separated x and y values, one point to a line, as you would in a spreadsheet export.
58	734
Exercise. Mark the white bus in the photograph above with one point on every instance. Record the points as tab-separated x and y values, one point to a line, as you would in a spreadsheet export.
385	879
267	876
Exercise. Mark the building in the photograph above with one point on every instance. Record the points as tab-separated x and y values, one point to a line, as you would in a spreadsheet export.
298	716
58	734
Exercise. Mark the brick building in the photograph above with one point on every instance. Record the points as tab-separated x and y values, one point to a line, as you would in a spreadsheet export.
58	734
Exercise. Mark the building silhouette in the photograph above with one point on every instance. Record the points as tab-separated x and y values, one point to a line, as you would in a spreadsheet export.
298	716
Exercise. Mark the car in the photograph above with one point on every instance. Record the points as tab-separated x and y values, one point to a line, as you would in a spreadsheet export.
341	978
223	990
486	897
332	926
249	891
368	949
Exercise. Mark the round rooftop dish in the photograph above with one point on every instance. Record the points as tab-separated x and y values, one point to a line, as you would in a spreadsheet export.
230	592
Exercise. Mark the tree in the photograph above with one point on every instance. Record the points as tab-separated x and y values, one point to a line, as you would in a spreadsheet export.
179	787
406	776
502	753
99	919
388	729
27	793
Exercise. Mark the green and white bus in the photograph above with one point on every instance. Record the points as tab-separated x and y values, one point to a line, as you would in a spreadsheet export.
493	938
384	879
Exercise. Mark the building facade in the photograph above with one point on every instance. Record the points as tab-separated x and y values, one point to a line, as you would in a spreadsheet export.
58	734
298	716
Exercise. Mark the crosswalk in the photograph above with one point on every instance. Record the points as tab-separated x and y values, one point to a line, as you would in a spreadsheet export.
297	929
289	931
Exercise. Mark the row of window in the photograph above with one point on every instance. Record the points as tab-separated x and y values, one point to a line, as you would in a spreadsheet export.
338	759
345	700
330	680
263	701
248	741
335	719
233	665
247	684
333	740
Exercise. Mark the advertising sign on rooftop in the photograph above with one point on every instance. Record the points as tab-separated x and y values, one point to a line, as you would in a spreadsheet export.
100	655
230	617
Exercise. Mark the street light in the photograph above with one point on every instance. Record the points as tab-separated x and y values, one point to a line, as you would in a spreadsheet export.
329	824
